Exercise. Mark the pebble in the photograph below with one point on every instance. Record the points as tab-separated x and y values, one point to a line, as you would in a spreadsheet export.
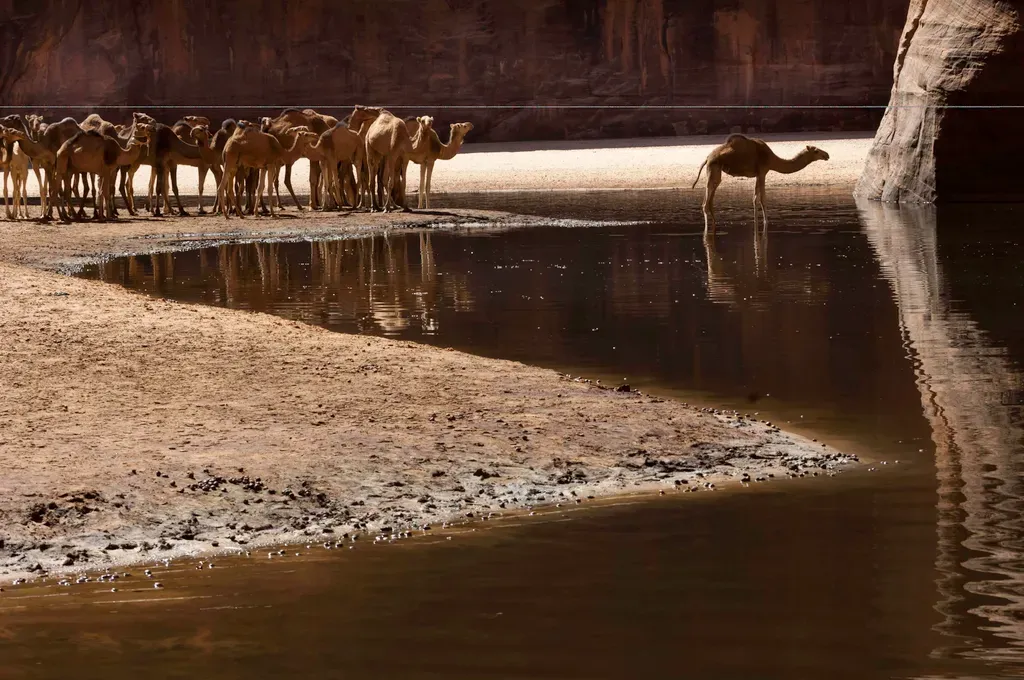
158	585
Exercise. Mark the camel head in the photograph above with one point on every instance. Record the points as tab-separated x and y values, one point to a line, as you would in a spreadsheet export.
143	118
144	132
815	153
361	114
201	135
265	123
426	122
303	135
10	134
11	121
195	121
460	130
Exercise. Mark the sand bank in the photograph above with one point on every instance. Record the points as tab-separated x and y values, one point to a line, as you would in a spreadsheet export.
137	429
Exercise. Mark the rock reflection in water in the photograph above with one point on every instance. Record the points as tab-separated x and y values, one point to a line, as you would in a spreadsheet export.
964	380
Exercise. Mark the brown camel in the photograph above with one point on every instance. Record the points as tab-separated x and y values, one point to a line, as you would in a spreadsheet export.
204	160
345	147
388	144
279	127
43	153
91	152
425	155
248	147
121	133
203	138
304	139
17	164
742	156
41	157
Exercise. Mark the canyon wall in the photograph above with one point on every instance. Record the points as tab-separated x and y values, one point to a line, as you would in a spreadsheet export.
948	134
415	56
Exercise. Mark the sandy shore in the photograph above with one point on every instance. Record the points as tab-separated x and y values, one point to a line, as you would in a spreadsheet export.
137	428
656	163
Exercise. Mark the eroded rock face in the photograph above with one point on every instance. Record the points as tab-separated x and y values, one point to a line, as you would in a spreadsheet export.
953	53
426	53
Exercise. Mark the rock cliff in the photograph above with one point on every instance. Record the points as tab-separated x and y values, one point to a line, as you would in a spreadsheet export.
929	147
424	54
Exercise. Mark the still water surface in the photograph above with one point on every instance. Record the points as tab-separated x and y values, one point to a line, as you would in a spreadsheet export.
894	332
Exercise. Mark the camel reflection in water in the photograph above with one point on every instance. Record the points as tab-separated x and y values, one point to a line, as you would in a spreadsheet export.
384	284
743	287
978	439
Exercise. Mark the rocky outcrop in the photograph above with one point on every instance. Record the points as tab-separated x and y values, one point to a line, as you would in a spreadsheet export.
939	140
424	54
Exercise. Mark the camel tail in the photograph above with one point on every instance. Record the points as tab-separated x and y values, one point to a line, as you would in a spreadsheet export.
697	178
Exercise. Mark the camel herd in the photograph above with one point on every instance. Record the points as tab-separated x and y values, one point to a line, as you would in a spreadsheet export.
360	162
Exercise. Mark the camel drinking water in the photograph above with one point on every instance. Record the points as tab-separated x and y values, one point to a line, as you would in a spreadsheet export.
742	156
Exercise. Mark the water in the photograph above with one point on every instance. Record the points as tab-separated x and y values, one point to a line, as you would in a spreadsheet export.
895	332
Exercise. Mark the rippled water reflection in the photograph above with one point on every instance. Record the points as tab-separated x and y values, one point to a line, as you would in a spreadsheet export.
895	331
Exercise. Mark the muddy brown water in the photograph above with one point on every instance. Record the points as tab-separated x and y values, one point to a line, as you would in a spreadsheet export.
893	332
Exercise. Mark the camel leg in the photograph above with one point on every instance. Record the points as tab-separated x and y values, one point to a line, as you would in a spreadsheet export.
150	205
7	202
288	183
202	180
708	207
759	201
161	186
218	175
125	173
173	169
45	204
387	183
131	188
430	176
265	184
15	191
84	198
39	183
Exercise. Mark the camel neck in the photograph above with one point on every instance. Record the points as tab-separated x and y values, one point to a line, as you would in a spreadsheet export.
791	165
449	150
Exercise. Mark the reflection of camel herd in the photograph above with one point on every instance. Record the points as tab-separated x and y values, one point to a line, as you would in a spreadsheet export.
358	162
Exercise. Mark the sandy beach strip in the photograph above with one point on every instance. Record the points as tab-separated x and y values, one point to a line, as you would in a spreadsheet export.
655	163
137	429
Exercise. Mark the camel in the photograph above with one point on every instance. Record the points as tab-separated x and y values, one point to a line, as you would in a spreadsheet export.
388	145
250	148
43	153
17	165
122	133
92	152
347	147
303	140
204	139
742	156
279	127
425	155
166	152
205	160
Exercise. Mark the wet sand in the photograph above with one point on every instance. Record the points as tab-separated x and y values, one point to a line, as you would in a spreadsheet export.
139	428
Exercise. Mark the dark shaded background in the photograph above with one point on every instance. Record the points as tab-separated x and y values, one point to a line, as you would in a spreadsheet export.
424	53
